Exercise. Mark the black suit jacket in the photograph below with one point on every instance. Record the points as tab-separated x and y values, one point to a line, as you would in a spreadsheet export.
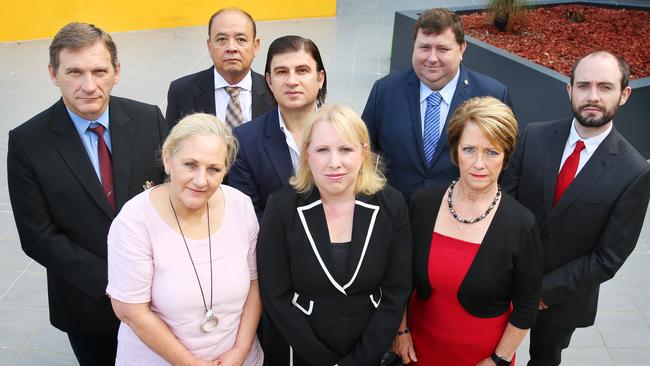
594	226
263	163
507	267
60	209
392	114
195	93
315	319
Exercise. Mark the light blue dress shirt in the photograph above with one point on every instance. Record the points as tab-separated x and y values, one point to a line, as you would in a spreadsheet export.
90	139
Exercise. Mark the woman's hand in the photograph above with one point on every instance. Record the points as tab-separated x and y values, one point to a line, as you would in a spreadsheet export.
233	357
403	347
486	362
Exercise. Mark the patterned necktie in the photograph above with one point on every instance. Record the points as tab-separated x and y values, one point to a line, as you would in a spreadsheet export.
568	172
105	165
431	126
234	115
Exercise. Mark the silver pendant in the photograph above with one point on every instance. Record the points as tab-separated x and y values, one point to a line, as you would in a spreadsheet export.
210	322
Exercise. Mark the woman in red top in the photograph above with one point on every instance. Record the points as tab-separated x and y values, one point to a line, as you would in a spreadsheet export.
477	253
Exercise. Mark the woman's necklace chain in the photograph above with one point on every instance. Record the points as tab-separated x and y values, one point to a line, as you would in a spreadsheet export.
210	320
474	220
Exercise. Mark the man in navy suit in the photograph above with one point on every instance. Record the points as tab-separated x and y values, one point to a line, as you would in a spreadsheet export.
415	147
588	189
232	44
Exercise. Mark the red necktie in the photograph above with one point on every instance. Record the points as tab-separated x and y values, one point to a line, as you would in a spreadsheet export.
568	171
105	166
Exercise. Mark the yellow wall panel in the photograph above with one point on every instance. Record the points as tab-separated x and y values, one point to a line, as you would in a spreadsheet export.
31	19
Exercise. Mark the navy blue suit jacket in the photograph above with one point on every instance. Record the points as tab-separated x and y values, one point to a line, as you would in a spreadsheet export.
263	163
392	114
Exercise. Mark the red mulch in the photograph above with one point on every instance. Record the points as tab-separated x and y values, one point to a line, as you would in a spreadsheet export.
547	37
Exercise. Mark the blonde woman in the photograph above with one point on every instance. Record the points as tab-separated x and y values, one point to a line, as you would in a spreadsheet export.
334	252
181	259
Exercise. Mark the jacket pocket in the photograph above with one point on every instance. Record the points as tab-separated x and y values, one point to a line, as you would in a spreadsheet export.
303	305
375	297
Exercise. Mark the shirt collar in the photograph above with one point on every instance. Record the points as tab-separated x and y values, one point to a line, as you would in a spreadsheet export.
447	92
592	143
246	83
82	124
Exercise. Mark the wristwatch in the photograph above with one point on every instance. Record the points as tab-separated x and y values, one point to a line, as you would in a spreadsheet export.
499	361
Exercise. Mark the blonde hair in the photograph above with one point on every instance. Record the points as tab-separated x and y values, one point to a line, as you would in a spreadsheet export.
200	124
351	128
493	117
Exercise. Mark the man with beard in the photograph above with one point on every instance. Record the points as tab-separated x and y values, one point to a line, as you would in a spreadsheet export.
588	189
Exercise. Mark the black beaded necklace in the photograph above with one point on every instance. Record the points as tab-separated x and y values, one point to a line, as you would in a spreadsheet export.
474	220
210	320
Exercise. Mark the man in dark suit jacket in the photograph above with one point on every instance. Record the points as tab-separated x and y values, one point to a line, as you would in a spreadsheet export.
70	170
396	110
590	227
233	44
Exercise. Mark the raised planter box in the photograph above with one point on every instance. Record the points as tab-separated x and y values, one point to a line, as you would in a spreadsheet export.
538	93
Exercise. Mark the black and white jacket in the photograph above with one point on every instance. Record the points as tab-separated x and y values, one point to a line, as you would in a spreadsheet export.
311	319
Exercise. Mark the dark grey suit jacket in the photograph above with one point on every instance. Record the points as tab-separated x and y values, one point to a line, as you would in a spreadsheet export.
60	209
195	93
594	226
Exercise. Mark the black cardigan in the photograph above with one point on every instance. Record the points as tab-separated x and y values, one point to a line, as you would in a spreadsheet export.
507	267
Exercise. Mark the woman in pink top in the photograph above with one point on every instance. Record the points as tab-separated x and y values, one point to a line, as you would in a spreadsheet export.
181	259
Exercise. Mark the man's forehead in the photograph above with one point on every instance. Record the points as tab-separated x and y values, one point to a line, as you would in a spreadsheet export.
230	18
444	36
598	68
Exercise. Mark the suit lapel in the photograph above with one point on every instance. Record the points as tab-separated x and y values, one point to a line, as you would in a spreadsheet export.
312	217
554	148
122	151
260	102
204	99
275	144
597	165
413	99
363	225
68	143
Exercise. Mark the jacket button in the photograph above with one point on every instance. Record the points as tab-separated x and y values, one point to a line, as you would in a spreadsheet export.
343	320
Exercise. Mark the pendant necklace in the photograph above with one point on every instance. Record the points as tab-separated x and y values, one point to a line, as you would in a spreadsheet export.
210	320
476	219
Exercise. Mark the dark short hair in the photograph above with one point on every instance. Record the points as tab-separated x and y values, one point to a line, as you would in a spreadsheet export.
437	20
250	19
493	117
622	66
79	35
286	44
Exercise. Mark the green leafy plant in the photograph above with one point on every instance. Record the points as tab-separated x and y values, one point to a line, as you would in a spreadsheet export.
505	11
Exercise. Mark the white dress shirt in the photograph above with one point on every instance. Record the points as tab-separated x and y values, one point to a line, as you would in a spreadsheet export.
294	151
221	96
447	94
591	144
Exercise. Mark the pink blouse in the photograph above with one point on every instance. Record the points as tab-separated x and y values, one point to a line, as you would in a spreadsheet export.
148	262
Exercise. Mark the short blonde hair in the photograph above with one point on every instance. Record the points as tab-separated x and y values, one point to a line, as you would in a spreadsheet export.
493	117
351	128
200	124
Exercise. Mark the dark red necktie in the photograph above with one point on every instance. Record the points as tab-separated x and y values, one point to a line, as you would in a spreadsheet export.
568	171
105	166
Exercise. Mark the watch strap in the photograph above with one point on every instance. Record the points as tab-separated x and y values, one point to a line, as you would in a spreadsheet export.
498	360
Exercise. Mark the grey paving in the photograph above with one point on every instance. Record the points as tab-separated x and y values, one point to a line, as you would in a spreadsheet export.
355	46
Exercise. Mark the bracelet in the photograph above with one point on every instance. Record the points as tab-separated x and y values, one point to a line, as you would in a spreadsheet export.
405	331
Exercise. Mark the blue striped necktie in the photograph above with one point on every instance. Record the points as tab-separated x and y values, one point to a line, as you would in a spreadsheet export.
431	126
